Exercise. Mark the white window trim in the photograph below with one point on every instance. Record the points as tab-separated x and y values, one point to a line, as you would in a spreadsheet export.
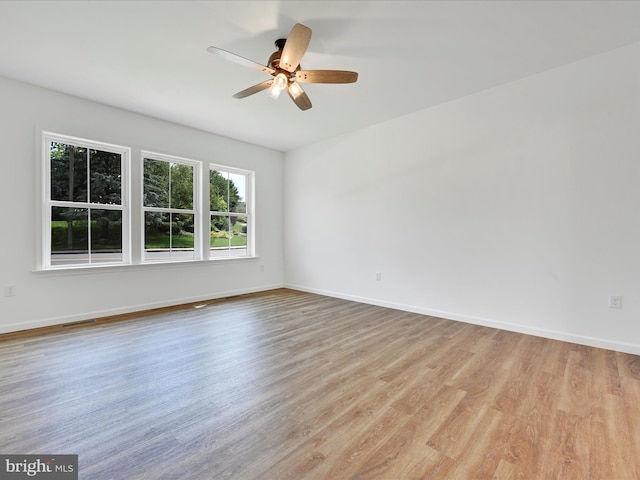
133	238
198	232
249	204
44	262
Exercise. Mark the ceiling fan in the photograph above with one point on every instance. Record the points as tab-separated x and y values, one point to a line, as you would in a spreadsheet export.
284	67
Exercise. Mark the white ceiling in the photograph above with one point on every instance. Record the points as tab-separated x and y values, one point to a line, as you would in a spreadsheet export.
150	56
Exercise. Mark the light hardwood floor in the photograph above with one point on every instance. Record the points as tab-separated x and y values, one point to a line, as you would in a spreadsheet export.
288	385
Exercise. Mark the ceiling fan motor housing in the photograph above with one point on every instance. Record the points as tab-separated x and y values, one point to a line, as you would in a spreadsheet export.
274	59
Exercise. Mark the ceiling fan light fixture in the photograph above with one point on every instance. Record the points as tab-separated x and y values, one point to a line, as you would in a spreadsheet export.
295	90
280	82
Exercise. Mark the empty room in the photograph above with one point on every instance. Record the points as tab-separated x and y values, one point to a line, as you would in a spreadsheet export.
320	240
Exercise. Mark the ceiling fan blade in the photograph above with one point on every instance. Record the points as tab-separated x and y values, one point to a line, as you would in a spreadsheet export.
255	89
299	96
295	46
241	60
326	76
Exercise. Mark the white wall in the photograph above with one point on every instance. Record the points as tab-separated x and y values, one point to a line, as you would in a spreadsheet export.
45	298
518	207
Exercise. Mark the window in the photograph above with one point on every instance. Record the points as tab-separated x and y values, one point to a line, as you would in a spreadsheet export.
85	209
170	199
230	198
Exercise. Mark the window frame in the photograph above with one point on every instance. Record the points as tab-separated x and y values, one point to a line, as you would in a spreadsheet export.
249	207
132	205
47	204
197	196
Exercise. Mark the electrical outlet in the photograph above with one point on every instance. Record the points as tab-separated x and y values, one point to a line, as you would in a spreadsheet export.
262	268
615	301
378	276
10	291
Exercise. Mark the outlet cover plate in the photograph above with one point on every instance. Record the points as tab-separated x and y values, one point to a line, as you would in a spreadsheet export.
615	301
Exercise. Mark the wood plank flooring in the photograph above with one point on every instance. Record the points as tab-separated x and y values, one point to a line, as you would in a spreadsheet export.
289	385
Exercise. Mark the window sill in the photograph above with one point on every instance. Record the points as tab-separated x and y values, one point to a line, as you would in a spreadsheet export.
99	269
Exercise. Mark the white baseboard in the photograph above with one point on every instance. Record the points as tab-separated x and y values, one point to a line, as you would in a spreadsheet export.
511	327
48	322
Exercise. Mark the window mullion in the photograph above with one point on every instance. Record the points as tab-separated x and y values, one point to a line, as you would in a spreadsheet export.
88	175
102	206
89	233
169	210
169	186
